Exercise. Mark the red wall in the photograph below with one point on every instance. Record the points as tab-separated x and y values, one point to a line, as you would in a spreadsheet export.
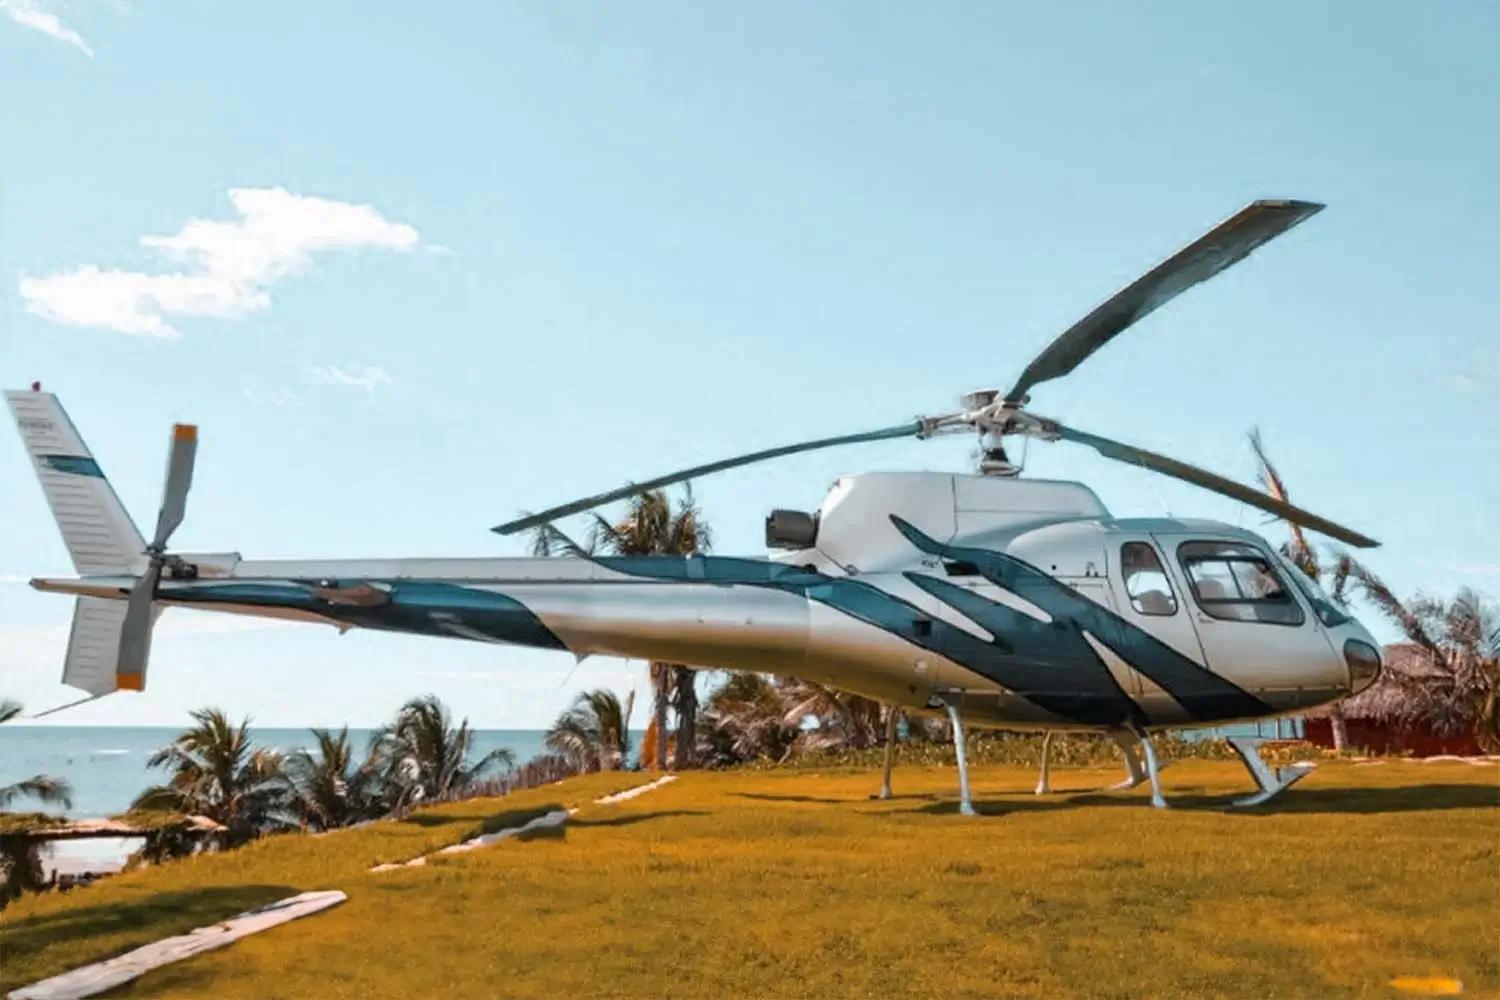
1380	737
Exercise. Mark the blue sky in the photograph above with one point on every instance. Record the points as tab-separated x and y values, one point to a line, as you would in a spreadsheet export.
603	241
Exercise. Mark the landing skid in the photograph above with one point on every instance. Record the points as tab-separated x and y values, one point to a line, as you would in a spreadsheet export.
1271	783
1135	770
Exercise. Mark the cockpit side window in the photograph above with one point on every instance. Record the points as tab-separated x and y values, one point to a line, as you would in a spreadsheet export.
1236	582
1146	580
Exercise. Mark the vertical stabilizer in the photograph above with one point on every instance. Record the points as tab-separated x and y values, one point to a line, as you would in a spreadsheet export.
94	646
99	534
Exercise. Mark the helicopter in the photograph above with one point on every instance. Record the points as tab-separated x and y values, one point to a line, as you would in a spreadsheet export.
984	599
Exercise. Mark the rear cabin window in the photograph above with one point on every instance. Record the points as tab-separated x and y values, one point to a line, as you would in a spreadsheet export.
1146	580
1236	582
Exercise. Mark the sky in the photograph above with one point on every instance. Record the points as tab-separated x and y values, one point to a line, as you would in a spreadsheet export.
414	269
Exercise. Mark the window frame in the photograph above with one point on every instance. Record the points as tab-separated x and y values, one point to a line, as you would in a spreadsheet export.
1208	604
1161	567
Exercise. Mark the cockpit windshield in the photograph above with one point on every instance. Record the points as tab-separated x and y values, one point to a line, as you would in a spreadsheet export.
1328	613
1236	582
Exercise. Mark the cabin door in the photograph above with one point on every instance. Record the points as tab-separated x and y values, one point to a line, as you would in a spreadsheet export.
1254	629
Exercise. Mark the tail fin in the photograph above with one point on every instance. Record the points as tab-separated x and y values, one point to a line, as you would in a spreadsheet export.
94	648
99	534
101	538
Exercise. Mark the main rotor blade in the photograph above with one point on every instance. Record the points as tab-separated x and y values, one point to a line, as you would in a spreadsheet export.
180	459
1225	244
912	429
1211	481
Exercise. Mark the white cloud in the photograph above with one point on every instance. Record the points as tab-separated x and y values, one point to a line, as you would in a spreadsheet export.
34	14
369	377
228	268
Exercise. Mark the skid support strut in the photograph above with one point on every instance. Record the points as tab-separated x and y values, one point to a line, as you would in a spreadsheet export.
890	752
1044	780
1152	770
1271	783
965	804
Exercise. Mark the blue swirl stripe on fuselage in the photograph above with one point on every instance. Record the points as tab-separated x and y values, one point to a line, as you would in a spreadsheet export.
424	607
1203	694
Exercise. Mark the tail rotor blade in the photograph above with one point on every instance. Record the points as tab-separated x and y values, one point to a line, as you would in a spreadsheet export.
135	632
1211	481
180	459
912	429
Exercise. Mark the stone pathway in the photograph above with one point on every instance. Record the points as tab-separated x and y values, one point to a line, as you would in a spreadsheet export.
88	980
556	817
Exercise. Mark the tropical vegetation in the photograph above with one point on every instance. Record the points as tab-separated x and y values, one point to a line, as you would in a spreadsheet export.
329	786
421	756
594	733
215	771
21	859
1445	677
653	525
753	717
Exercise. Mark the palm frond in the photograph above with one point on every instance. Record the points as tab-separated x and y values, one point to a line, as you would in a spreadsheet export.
605	536
1298	549
161	798
549	541
1343	568
42	787
1386	601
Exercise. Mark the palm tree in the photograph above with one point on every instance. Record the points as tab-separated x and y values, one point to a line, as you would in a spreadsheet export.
844	720
744	719
1448	676
652	526
330	789
21	858
594	734
1297	548
217	772
423	756
1301	553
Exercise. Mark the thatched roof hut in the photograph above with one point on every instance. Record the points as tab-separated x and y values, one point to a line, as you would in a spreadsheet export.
1387	716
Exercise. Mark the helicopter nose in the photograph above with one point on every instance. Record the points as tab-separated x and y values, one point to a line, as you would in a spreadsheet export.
1363	659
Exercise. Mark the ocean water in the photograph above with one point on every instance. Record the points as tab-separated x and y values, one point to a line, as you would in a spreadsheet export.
106	765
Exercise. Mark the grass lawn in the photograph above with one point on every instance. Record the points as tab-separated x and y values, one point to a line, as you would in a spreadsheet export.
793	883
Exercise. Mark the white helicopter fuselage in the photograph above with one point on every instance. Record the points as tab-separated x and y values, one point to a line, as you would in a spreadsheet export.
1021	603
1006	602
